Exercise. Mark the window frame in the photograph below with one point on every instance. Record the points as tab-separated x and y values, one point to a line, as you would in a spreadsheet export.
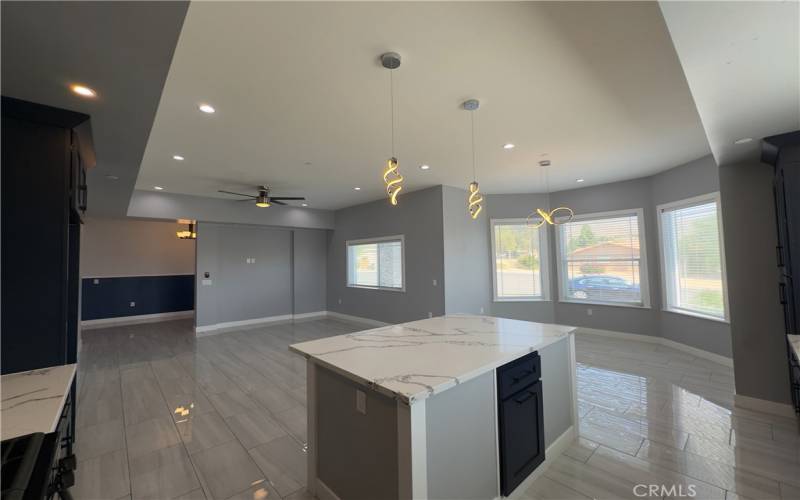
644	278
366	241
544	262
687	203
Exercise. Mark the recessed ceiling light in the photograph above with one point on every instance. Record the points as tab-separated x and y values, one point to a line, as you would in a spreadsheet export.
508	145
304	204
424	167
743	140
112	177
83	90
158	188
207	108
579	180
357	188
178	157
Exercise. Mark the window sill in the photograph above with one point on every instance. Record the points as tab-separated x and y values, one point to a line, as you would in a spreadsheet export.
611	304
521	299
378	288
697	315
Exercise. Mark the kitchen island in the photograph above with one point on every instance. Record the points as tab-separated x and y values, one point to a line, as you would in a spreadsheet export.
450	407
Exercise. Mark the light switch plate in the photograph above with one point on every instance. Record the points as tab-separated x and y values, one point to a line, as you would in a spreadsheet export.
361	402
434	282
589	312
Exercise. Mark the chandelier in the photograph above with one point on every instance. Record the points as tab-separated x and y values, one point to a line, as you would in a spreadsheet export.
554	217
391	175
475	199
187	234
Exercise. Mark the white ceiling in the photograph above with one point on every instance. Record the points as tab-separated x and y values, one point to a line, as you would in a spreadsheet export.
595	86
46	46
742	63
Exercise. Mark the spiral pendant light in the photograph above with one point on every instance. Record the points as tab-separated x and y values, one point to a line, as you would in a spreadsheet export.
542	216
391	174
475	199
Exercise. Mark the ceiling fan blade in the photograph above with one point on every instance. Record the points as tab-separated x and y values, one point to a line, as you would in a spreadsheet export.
287	198
246	199
273	200
237	194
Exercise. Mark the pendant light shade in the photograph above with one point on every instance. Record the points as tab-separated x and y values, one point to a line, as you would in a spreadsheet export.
474	199
392	179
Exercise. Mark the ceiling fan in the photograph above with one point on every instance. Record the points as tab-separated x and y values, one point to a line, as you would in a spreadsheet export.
263	199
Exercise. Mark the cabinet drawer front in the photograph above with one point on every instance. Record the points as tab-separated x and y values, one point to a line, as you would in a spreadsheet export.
518	374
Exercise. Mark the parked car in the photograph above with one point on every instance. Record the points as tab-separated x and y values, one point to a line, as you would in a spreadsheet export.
600	287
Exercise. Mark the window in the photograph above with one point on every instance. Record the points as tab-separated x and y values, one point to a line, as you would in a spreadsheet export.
602	259
376	263
518	252
693	266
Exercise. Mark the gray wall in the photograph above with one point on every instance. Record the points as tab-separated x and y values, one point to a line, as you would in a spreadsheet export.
685	181
310	270
160	205
757	328
419	218
242	291
467	287
131	247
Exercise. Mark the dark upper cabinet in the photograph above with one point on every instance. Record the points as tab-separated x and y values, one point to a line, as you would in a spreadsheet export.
783	153
43	199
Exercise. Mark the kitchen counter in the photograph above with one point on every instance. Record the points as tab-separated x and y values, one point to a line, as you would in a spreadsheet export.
33	401
413	361
413	411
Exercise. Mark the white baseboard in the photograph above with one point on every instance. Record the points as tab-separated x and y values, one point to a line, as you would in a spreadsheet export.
553	451
91	324
357	319
763	405
204	330
700	353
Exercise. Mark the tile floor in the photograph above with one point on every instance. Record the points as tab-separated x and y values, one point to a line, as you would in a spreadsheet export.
162	415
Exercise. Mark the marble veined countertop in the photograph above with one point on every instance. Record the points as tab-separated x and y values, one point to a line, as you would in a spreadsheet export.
794	340
413	361
33	401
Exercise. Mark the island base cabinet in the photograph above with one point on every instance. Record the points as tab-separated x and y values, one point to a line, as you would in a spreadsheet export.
520	421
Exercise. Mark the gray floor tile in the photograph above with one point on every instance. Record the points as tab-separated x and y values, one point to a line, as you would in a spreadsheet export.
203	431
151	435
233	402
226	470
99	439
164	473
283	462
254	428
102	477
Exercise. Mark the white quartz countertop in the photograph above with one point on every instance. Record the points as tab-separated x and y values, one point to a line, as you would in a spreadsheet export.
413	361
33	401
794	340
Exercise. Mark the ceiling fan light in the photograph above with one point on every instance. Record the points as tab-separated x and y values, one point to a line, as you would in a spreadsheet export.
262	201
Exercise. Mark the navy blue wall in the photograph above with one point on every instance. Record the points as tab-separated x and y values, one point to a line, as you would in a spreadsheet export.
111	297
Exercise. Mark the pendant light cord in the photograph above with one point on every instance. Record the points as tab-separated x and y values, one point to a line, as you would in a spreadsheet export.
391	105
472	119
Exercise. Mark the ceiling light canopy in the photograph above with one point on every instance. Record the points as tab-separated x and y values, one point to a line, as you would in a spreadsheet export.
83	90
206	108
391	174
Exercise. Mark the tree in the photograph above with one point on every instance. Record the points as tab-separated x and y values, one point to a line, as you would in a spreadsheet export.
584	239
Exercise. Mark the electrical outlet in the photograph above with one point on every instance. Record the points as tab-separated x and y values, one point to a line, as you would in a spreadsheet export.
96	281
133	304
340	301
481	310
430	314
588	312
361	402
434	282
